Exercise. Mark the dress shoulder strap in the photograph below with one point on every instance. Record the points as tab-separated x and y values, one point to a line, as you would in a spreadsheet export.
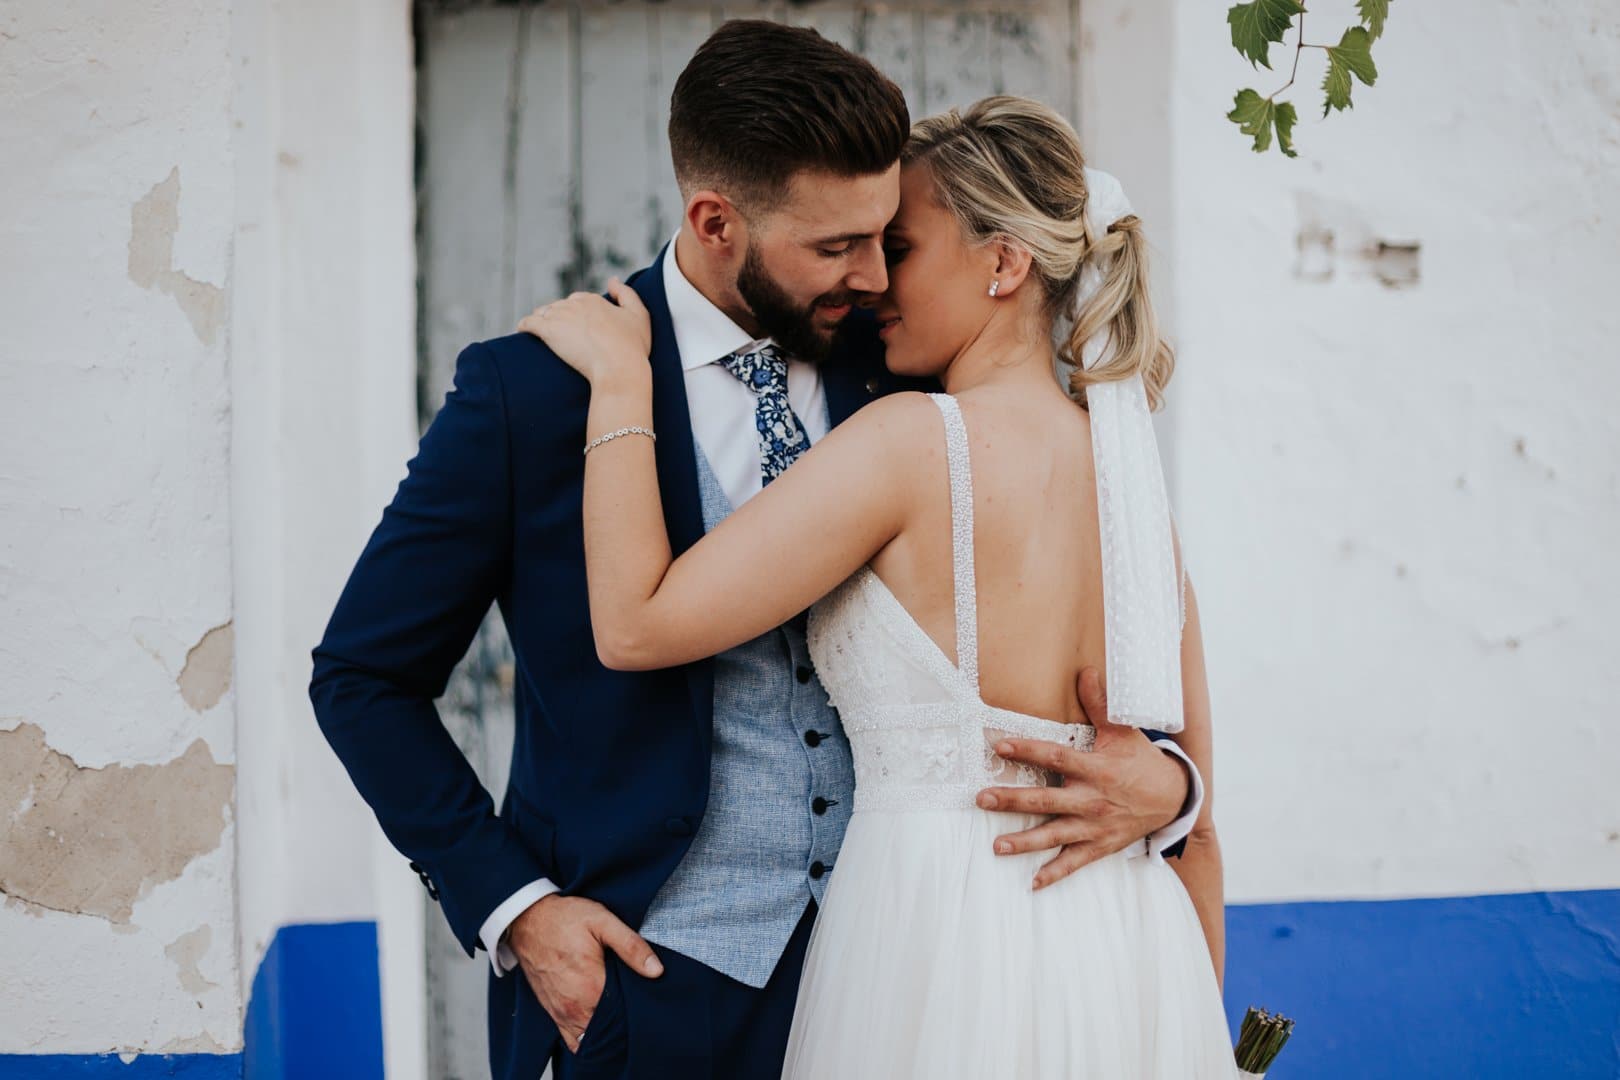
966	585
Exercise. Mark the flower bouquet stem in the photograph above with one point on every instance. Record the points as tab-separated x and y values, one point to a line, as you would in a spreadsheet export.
1260	1040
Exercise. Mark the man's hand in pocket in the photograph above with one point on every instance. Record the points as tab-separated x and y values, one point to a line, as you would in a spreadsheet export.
560	942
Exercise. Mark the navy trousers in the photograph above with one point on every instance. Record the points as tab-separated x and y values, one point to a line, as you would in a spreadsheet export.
691	1023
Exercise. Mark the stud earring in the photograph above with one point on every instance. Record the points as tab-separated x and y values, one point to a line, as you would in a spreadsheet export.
995	287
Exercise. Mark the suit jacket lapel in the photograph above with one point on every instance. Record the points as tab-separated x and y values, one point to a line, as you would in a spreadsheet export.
677	461
676	457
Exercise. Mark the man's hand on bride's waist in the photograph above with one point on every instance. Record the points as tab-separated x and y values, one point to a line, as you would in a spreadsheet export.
1120	792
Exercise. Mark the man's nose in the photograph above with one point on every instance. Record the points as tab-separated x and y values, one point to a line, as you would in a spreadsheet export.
870	274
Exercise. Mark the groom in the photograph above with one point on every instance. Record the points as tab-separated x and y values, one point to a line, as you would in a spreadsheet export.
657	863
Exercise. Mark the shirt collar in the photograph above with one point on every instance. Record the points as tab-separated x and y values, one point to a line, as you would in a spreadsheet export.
703	333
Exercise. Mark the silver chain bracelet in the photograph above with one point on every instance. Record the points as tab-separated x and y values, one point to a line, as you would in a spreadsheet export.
610	436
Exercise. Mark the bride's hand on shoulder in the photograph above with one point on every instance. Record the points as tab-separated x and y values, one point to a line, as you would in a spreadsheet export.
595	336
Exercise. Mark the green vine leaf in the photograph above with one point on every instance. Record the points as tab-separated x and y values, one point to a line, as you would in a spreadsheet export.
1373	14
1351	56
1257	25
1252	114
1257	117
1285	117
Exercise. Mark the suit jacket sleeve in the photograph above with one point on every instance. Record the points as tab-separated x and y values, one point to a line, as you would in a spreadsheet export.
439	558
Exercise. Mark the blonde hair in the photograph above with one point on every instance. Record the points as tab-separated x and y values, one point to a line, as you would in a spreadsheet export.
1011	169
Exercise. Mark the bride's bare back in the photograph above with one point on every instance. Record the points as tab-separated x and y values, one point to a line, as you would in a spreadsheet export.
1038	557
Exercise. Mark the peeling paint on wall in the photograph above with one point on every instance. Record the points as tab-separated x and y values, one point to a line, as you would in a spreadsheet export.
207	674
153	223
1335	237
193	1044
187	952
94	841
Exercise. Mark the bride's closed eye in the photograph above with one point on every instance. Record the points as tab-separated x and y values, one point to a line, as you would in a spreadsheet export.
893	253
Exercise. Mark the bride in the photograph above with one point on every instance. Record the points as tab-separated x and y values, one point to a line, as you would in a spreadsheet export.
966	554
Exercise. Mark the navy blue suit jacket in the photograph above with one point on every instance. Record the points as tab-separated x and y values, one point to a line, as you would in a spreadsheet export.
610	769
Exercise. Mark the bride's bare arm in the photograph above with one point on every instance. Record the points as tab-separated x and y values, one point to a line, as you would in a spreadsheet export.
784	549
780	552
1200	863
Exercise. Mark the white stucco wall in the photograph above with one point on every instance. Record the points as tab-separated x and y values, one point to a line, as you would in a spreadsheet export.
115	231
324	385
207	370
1402	503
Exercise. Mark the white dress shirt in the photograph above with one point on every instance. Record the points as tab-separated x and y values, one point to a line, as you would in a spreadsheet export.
722	412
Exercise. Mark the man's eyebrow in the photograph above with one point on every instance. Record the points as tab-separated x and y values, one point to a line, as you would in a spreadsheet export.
845	238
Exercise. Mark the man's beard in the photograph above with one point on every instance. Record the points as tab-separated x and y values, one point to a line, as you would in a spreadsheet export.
792	327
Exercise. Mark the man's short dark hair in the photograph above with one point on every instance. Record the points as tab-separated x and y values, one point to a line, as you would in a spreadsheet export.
761	102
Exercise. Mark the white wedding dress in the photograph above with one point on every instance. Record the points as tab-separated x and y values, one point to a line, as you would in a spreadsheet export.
932	957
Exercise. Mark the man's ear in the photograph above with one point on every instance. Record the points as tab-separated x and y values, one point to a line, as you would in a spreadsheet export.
716	222
1013	264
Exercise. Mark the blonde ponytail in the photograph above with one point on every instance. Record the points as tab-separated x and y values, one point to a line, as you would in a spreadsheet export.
1124	307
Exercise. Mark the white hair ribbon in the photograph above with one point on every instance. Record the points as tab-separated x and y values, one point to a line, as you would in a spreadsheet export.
1142	597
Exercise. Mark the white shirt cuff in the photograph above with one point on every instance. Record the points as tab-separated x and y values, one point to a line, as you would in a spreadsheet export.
1179	829
493	932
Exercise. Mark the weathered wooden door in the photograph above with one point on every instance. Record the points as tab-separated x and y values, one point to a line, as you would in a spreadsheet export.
543	168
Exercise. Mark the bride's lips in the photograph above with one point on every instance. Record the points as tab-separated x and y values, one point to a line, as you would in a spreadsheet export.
886	323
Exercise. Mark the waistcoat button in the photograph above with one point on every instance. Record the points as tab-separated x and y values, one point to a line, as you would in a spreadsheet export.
802	673
819	805
812	738
817	869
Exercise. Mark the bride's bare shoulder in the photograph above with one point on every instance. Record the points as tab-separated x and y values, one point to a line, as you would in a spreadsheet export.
894	439
906	421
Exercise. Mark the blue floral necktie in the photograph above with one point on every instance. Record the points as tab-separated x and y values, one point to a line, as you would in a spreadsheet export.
782	437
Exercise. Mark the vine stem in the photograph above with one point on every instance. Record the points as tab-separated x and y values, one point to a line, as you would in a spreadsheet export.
1299	47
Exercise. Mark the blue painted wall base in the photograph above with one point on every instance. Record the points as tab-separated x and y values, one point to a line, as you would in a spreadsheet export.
1482	987
316	1009
316	1012
112	1067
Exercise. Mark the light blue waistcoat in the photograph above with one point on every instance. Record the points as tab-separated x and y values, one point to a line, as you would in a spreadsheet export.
735	899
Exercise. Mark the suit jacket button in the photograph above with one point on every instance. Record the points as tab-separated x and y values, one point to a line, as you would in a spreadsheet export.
427	882
678	826
872	385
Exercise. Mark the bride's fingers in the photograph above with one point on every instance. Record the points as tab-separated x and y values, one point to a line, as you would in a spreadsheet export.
534	321
1067	861
625	296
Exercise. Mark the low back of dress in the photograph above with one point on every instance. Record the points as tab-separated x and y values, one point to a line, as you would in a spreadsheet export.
920	730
